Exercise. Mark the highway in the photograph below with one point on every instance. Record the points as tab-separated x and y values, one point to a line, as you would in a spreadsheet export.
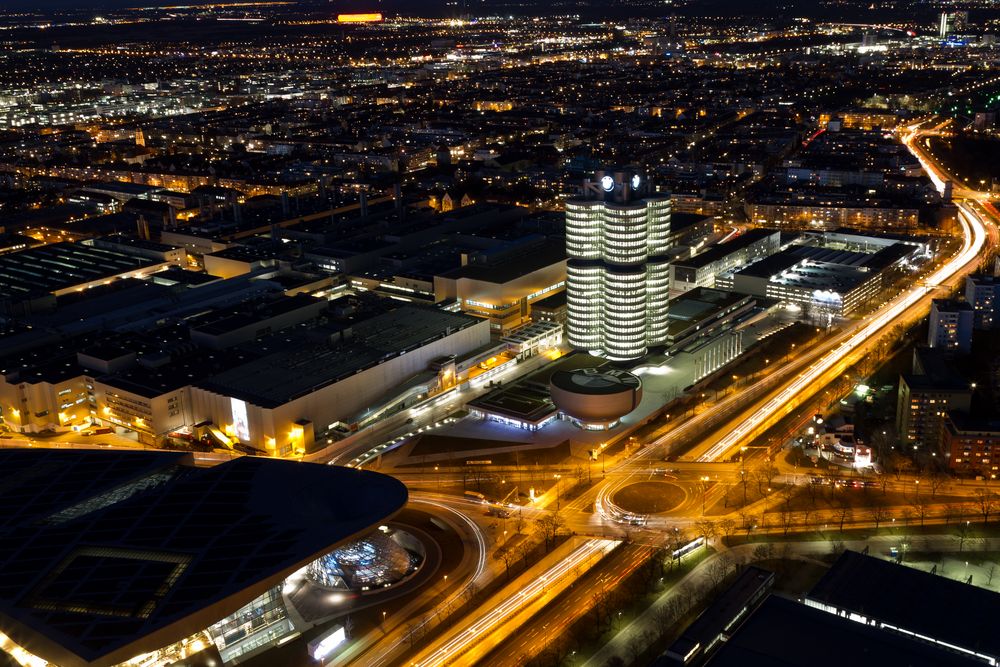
518	648
832	364
730	424
499	615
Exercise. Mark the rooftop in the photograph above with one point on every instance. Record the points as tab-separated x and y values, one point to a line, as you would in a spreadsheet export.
60	266
783	633
915	601
294	364
107	554
721	250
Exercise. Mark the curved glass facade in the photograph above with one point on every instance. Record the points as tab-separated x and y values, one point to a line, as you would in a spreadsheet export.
375	561
618	279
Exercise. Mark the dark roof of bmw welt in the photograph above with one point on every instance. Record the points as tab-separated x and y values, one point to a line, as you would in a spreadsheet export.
107	554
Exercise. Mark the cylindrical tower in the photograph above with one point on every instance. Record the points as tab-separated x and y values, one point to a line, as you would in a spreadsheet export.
617	273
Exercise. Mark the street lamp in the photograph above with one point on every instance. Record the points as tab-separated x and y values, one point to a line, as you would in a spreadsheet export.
557	477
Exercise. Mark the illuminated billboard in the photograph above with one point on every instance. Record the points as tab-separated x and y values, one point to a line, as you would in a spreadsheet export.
359	18
241	425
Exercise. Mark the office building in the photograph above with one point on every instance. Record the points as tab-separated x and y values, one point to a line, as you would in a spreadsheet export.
702	269
952	23
950	325
502	282
115	557
828	282
618	274
982	292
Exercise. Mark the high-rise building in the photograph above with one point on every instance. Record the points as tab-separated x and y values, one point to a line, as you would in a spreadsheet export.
982	292
618	273
926	396
950	325
953	23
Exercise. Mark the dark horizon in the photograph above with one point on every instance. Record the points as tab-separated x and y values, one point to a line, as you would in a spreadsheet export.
784	9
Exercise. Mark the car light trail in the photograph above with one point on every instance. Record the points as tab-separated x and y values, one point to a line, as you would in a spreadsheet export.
974	240
469	635
481	547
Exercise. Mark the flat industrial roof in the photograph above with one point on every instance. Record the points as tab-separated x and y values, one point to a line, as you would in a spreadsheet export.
549	252
107	554
783	633
525	402
702	302
913	600
58	266
293	364
717	252
825	268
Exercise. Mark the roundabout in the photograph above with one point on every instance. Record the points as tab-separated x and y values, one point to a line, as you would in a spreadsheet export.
651	497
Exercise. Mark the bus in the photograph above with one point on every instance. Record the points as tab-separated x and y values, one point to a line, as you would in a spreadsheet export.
474	495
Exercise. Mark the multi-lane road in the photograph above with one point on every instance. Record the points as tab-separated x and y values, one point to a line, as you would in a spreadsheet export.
735	421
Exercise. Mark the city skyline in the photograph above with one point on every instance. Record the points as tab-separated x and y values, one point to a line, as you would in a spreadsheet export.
500	334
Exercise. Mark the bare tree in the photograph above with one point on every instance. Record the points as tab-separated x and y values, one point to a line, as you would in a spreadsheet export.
964	530
763	551
524	550
717	571
785	518
844	513
708	528
987	501
936	480
920	509
813	490
551	524
878	513
883	481
507	556
727	526
635	649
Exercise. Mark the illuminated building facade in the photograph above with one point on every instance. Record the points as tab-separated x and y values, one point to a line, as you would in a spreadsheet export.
952	23
618	273
950	326
982	292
